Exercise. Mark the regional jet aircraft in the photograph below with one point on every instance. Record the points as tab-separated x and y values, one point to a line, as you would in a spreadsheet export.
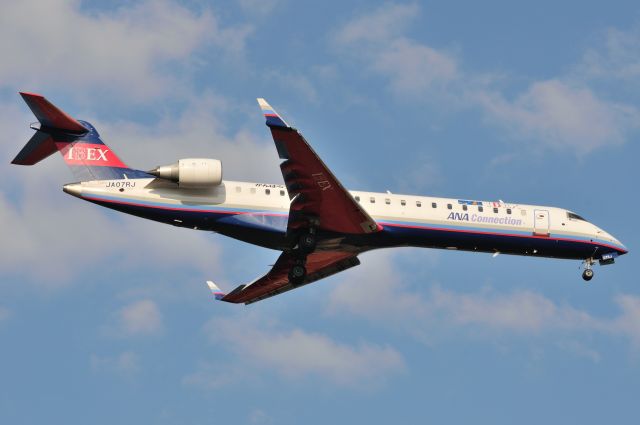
319	226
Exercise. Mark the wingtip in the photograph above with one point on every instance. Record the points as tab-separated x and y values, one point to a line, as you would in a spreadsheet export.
29	94
217	293
270	114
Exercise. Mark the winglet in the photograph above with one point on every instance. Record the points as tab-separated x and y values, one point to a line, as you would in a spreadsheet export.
272	117
215	290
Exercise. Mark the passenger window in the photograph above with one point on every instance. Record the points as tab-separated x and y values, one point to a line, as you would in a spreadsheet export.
508	210
418	204
282	193
464	208
480	208
403	202
449	206
267	191
523	212
253	190
434	205
238	189
387	201
495	210
372	200
357	199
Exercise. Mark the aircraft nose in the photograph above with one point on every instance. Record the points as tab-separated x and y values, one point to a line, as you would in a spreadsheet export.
621	248
74	189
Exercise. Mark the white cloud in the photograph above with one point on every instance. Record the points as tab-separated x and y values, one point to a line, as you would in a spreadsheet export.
628	323
125	363
198	130
379	26
559	115
380	294
74	238
126	51
295	353
616	55
376	291
139	318
70	239
562	113
259	7
4	313
411	67
520	311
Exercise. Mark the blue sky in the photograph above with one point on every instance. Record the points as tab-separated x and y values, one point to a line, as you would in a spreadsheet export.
105	318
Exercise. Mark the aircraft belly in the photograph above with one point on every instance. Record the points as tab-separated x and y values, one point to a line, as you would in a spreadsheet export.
470	240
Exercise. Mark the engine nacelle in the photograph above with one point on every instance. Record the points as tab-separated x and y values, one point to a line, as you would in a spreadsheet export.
192	172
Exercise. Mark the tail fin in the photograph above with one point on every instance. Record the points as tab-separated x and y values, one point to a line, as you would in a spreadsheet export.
88	157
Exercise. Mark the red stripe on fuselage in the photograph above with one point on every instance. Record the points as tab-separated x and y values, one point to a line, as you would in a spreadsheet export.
382	225
479	232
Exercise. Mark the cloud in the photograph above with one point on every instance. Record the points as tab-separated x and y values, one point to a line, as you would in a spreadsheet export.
139	318
559	115
378	26
259	7
4	314
128	50
411	67
199	130
381	294
295	353
628	323
616	55
52	249
126	363
70	238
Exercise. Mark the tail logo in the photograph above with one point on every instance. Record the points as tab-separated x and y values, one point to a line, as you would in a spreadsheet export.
88	154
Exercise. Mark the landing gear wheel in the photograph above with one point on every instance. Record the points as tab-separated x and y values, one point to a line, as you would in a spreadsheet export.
587	275
307	242
297	274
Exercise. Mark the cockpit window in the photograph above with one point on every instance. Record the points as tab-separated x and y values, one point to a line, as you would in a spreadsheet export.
574	216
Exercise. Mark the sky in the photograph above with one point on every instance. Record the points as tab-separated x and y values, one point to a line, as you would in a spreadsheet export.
105	318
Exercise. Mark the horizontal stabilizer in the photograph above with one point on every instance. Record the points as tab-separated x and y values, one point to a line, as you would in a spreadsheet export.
40	146
50	116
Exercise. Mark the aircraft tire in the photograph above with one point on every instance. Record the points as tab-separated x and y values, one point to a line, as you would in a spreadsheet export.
297	274
587	275
307	242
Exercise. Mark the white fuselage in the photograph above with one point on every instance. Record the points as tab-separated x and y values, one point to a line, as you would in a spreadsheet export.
456	217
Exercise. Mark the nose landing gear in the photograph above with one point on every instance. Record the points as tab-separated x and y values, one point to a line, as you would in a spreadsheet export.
587	274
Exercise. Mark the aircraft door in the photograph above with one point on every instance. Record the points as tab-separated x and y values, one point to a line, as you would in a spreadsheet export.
541	223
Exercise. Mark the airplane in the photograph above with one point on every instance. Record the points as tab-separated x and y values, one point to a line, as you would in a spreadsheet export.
318	225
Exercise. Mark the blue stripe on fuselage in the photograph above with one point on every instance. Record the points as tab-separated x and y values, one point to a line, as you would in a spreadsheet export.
275	221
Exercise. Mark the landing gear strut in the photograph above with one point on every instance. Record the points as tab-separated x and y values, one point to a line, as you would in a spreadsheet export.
587	274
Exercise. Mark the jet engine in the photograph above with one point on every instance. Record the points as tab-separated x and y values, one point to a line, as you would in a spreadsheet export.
191	172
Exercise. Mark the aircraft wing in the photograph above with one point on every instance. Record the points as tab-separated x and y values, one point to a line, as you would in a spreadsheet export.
315	193
320	264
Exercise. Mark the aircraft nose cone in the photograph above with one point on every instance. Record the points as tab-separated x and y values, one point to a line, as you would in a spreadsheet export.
74	189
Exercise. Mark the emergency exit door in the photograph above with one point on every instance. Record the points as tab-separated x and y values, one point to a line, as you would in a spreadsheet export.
541	223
